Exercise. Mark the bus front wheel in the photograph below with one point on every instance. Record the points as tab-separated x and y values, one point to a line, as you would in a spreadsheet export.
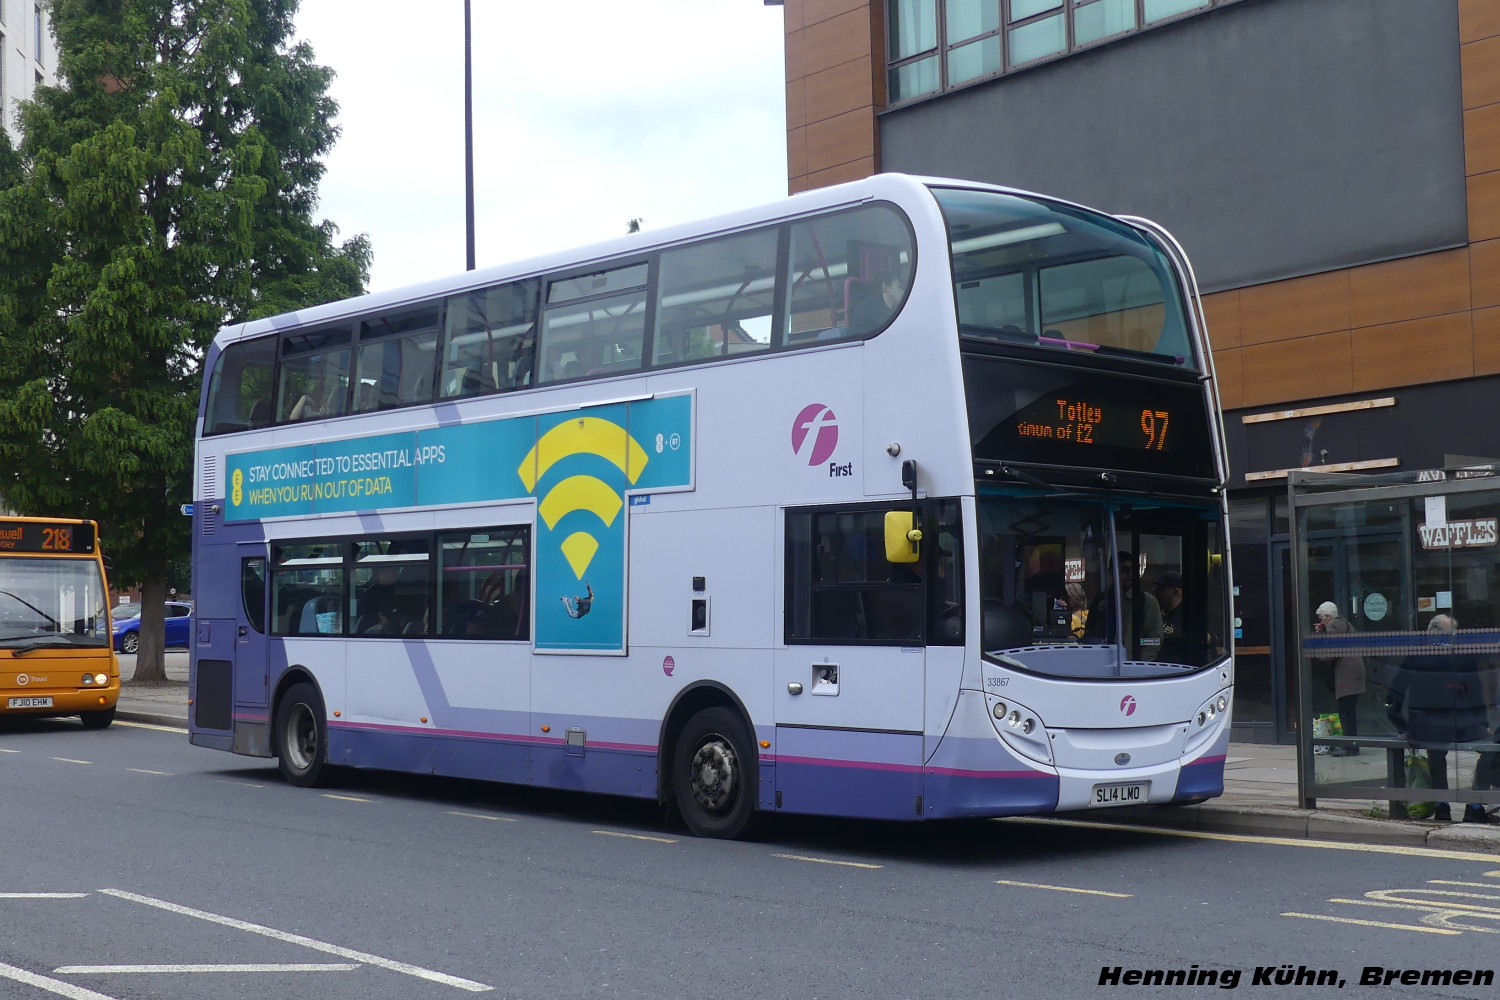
714	775
301	736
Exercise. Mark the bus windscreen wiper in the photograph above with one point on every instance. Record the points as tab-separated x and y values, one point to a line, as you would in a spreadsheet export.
54	642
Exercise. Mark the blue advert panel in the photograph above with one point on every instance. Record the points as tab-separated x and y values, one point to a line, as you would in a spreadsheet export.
581	465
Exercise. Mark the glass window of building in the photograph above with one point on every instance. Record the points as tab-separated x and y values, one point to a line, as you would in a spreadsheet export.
935	45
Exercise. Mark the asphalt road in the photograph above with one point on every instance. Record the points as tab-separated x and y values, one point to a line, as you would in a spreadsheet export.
133	865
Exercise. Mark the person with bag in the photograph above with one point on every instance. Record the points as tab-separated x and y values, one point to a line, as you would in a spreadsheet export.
1348	675
1437	701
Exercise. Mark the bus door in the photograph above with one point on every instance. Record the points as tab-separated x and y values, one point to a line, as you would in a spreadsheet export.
850	682
250	683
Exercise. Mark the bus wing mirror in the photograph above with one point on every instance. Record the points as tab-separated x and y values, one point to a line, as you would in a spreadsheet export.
903	539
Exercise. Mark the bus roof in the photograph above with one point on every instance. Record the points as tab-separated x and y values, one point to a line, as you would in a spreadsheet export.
901	187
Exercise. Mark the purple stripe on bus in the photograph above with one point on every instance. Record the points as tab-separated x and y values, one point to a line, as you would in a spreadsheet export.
873	765
382	727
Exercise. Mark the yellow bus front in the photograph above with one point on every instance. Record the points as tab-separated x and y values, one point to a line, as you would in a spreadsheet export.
55	655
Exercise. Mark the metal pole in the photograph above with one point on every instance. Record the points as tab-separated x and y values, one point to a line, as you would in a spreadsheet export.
469	136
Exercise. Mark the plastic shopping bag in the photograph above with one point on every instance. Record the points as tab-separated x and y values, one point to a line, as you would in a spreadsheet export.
1419	775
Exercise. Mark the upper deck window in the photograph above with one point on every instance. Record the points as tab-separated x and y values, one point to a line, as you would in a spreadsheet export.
1038	273
849	274
314	375
396	355
491	340
716	298
594	324
240	389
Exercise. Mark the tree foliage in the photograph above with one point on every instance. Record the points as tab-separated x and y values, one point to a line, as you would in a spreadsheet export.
166	188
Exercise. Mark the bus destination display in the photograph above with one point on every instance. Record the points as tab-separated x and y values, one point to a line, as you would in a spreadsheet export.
1091	422
1050	415
61	538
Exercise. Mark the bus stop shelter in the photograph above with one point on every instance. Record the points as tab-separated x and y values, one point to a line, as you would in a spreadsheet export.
1396	583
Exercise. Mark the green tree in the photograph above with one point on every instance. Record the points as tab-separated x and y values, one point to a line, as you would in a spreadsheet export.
166	188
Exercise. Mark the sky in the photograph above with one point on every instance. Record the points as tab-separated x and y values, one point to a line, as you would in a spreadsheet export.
587	113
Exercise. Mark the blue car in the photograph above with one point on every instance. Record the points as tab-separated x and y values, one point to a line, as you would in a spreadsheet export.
179	627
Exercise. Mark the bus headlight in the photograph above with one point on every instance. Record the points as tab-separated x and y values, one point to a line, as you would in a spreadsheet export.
101	679
1022	731
1222	703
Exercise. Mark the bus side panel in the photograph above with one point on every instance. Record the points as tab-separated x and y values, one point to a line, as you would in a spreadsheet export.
974	774
436	706
841	772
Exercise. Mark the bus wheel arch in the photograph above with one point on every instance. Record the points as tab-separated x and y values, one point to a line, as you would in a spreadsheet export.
299	729
707	733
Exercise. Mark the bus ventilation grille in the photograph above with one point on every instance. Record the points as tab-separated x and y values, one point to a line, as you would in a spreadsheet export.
209	491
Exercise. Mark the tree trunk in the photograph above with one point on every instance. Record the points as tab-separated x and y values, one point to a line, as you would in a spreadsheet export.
150	660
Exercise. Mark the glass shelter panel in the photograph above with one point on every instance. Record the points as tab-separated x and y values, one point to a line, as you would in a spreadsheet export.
1399	625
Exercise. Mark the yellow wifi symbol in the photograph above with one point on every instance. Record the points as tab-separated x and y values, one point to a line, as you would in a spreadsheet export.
590	436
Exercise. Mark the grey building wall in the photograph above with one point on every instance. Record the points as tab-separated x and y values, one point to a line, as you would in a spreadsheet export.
1273	137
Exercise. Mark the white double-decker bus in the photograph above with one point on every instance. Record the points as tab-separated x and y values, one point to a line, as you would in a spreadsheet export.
899	499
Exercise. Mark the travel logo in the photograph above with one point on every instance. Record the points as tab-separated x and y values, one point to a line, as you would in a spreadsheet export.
1127	705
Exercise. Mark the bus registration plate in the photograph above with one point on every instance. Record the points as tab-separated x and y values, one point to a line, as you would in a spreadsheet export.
1120	795
33	702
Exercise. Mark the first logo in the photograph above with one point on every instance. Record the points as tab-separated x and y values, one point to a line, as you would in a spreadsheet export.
815	434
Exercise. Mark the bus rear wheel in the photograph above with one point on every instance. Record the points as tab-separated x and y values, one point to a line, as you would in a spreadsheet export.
98	720
714	775
301	736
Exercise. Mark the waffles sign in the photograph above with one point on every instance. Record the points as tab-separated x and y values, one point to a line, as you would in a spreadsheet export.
1458	534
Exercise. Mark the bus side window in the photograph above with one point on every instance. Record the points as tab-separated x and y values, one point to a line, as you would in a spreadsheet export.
253	591
307	586
490	340
314	375
396	355
849	274
594	324
240	389
485	584
716	298
839	586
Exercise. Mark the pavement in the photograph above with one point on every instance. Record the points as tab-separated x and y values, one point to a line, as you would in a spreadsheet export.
1260	788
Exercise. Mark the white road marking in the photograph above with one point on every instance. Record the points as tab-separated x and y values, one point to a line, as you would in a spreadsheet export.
70	760
50	985
1063	888
43	895
344	798
633	836
495	819
90	970
1240	838
825	861
3	750
143	770
1372	923
148	725
306	942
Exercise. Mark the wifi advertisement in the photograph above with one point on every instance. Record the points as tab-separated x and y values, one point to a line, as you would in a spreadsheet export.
579	464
